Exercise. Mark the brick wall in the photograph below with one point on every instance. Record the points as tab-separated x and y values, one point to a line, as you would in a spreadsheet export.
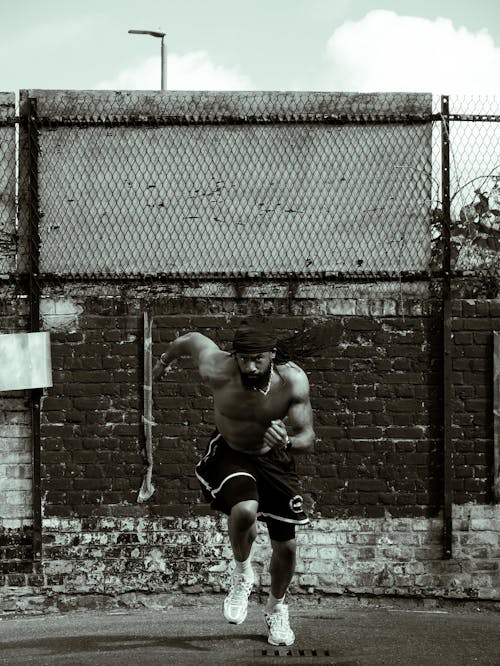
474	321
16	511
144	559
374	483
15	459
377	450
16	472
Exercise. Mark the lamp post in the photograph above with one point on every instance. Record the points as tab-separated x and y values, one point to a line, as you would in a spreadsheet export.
161	35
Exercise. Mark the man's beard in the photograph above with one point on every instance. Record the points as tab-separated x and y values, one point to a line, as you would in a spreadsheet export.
256	382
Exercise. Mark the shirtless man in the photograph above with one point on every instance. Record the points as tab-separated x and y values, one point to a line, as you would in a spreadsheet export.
263	418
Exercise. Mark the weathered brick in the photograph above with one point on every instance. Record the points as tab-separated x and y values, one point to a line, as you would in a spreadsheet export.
354	374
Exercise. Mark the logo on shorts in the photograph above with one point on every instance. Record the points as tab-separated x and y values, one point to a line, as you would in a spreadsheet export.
296	504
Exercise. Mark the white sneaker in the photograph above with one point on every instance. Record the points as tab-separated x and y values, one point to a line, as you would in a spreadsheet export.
236	602
280	632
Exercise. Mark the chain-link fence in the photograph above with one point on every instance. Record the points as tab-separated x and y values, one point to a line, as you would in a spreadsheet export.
474	136
7	184
233	185
311	186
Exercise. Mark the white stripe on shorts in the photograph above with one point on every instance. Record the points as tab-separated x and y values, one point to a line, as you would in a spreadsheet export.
304	521
214	491
210	449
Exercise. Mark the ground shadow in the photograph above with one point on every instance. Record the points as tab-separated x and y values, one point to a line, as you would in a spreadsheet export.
118	642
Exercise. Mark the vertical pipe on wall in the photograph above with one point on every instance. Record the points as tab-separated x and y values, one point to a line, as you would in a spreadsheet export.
34	305
447	331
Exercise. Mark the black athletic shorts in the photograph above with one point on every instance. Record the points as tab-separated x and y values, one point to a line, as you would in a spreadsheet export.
227	477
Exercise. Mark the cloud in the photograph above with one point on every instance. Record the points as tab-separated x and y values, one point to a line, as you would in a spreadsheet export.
192	71
387	52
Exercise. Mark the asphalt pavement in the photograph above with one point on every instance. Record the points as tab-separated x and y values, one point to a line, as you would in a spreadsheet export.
197	634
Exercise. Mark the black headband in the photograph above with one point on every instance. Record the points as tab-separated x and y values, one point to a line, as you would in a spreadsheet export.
249	340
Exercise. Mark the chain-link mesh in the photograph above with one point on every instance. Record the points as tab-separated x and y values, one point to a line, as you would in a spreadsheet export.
475	184
7	184
222	185
232	185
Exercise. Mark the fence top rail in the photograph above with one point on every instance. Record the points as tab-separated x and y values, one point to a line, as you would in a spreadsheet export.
140	107
267	119
474	117
60	104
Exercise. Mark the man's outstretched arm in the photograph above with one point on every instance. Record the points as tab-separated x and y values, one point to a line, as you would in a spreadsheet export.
197	346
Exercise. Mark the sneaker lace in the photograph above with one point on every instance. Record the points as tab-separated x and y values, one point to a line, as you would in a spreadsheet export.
278	622
240	589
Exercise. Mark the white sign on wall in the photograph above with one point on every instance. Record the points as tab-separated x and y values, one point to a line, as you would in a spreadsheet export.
25	361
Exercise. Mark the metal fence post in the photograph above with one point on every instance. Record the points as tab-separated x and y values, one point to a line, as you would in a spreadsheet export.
447	331
34	312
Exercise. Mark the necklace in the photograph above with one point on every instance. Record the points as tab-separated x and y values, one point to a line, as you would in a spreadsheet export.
265	391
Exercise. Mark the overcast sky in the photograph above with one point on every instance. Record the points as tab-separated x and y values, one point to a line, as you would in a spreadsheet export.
441	46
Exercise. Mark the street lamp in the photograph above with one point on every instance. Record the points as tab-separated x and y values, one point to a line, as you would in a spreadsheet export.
161	35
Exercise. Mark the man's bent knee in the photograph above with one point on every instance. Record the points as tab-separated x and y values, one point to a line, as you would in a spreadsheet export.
285	550
244	514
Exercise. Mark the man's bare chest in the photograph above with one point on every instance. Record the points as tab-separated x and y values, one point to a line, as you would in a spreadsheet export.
250	405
